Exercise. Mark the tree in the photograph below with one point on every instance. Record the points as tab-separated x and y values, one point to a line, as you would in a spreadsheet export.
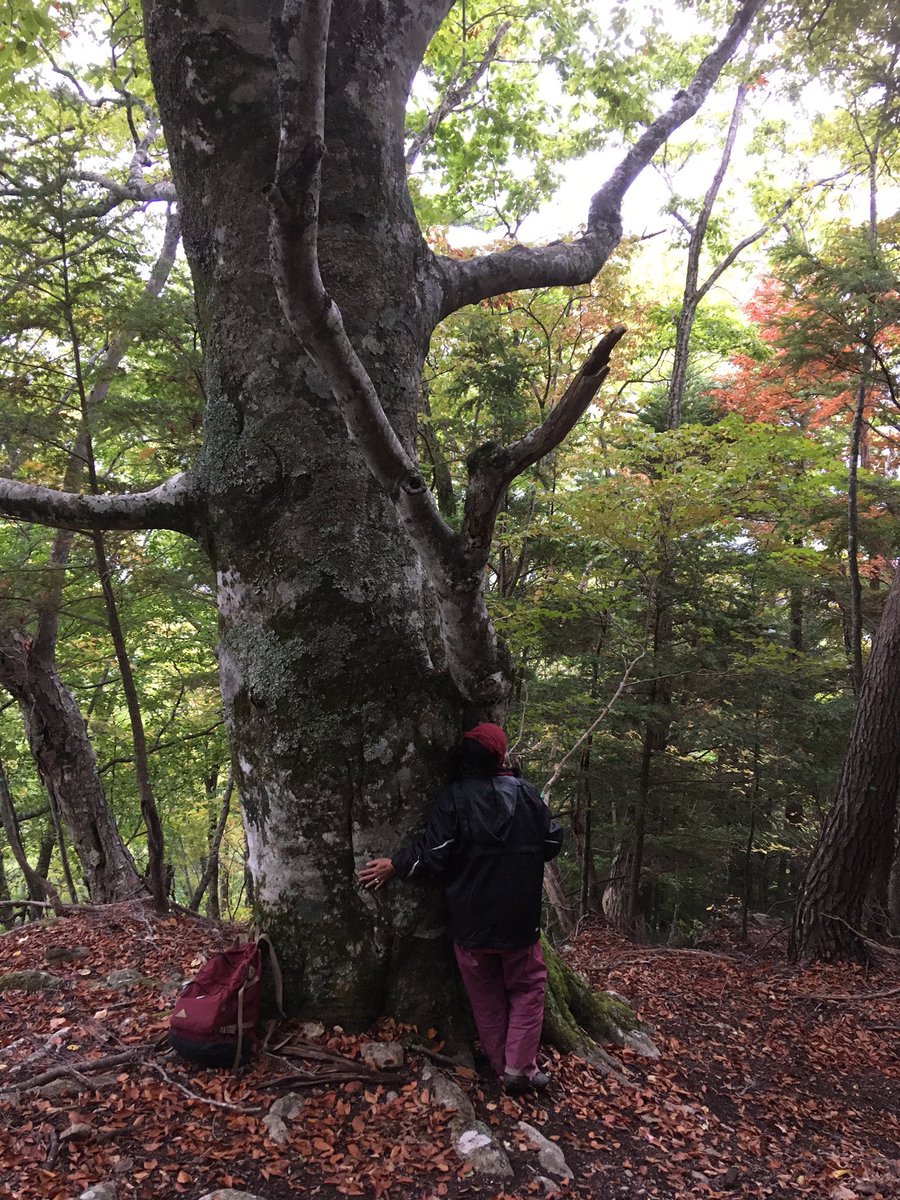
354	634
859	828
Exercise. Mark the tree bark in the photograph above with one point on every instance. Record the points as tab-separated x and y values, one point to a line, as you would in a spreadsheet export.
829	912
65	761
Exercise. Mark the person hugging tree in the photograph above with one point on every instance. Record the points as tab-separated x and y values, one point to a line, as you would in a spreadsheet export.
487	838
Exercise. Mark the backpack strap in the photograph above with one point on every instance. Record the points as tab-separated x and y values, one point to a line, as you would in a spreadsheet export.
263	940
240	1029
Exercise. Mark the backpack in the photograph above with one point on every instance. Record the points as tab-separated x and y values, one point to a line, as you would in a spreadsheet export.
215	1017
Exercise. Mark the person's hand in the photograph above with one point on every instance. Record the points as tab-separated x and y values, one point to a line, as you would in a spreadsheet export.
377	872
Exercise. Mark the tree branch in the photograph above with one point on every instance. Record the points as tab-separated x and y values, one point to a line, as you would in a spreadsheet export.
454	96
569	263
171	505
492	468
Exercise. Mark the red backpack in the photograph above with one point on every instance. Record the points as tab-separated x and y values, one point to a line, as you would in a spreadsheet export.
215	1017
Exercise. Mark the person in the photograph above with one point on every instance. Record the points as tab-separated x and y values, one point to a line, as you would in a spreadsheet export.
487	838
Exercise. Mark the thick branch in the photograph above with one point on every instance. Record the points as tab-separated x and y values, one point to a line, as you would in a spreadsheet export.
135	189
457	92
570	263
302	37
492	468
171	505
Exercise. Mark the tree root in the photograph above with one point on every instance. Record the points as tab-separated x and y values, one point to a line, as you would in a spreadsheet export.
577	1019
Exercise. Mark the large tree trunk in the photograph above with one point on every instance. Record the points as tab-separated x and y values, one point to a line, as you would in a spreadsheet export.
829	913
337	711
65	761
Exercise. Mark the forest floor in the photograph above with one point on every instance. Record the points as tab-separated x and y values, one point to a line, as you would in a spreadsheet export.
772	1082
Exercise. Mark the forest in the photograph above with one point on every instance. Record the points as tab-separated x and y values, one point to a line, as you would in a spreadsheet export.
374	370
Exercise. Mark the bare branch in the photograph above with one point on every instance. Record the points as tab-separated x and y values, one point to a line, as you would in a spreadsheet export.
171	505
457	92
136	189
607	708
568	263
492	468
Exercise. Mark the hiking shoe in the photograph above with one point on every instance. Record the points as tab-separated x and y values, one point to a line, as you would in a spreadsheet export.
525	1083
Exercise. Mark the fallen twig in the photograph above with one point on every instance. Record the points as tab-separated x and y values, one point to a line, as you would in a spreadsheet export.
443	1059
292	1050
848	996
201	1099
308	1079
76	1069
52	1151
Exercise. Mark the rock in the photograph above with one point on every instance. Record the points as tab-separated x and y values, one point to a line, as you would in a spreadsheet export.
549	1154
311	1029
78	1132
283	1110
74	1087
126	978
231	1194
382	1056
766	921
551	1188
29	981
66	953
472	1139
641	1044
101	1191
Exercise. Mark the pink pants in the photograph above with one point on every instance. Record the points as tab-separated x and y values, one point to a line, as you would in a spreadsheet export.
506	990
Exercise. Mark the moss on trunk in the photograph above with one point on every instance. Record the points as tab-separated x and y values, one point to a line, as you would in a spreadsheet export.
578	1020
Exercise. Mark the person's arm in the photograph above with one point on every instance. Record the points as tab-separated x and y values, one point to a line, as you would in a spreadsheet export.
553	839
553	834
435	848
429	855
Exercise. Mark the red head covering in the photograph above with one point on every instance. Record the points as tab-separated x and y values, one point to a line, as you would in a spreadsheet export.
491	737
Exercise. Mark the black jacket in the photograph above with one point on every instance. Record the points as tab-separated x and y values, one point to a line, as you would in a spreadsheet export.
487	841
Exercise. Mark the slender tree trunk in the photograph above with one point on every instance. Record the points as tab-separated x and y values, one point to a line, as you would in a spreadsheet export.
656	736
855	615
210	877
68	769
617	893
751	833
693	290
6	911
829	913
213	906
39	888
561	906
156	870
